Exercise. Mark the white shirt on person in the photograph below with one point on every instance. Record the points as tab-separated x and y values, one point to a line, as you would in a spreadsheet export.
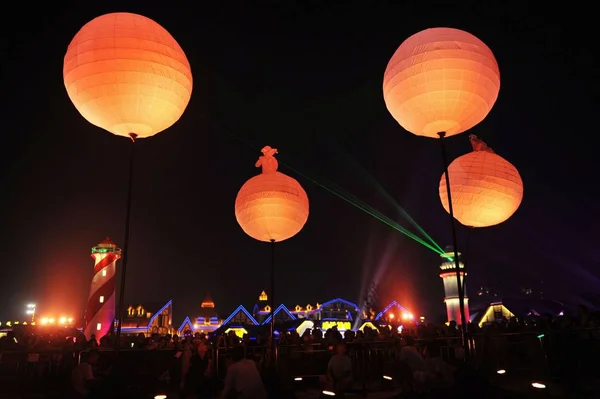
80	377
411	356
243	379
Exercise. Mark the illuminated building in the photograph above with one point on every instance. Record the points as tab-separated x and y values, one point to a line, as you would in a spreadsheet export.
240	316
394	313
448	275
186	327
208	317
148	320
281	314
206	322
337	312
507	308
100	311
337	309
307	324
496	311
262	309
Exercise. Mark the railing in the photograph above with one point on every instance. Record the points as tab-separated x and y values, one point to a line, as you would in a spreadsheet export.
562	353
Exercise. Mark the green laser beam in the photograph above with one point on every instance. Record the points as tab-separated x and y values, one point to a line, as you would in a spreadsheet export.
353	200
365	208
383	192
373	212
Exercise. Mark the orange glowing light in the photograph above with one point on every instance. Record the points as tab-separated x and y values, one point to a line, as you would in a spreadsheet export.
126	74
271	206
44	320
62	320
486	188
391	316
51	320
441	80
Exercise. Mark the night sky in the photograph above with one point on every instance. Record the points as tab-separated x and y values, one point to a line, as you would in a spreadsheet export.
305	78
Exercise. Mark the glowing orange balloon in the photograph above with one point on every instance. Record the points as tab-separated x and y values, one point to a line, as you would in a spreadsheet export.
441	80
126	74
271	206
486	188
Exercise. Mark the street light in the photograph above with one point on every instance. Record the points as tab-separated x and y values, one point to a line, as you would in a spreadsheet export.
31	311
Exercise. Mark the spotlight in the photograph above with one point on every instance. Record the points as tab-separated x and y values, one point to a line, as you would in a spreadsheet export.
328	393
501	371
298	379
387	377
160	397
538	385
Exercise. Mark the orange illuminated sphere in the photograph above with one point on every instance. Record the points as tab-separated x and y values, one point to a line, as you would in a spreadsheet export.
271	206
486	189
126	74
441	80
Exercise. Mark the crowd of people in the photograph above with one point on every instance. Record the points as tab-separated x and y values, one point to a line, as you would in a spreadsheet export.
203	360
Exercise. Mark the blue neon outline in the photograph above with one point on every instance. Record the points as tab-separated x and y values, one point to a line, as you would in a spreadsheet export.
235	312
355	306
159	312
169	303
393	303
187	319
279	308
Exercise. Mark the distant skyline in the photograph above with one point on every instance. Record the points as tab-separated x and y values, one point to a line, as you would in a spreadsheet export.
306	78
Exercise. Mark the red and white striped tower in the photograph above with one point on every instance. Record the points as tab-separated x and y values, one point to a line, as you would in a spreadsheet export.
100	311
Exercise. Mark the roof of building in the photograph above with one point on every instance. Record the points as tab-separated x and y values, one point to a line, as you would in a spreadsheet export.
522	307
141	321
107	241
207	302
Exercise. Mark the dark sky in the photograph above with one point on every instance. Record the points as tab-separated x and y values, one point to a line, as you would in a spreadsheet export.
306	78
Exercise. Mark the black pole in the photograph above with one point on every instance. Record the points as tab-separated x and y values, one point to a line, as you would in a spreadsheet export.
121	308
273	345
467	255
461	294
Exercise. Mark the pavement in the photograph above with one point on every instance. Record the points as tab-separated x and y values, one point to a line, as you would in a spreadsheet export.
516	386
316	394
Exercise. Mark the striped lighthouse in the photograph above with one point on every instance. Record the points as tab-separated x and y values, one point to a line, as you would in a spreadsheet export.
100	311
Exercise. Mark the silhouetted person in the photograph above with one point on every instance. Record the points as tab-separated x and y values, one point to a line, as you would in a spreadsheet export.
83	381
242	380
339	371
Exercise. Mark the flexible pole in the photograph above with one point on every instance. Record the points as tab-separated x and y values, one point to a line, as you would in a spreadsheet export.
273	345
125	251
461	294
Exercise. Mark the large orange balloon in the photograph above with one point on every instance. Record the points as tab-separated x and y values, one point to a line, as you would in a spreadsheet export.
441	80
271	206
486	189
126	74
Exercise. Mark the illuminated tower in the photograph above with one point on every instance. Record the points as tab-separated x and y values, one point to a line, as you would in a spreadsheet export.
448	275
100	311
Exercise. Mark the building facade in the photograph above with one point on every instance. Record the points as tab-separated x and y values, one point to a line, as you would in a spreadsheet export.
451	297
207	321
150	319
